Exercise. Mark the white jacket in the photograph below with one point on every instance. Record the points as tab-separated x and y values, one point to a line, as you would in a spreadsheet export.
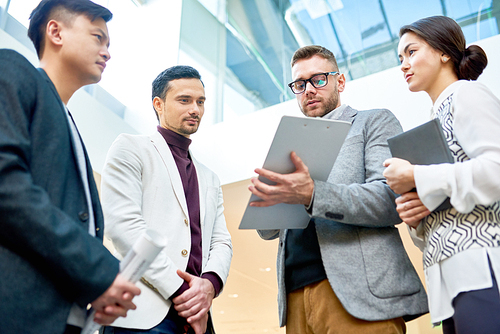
142	188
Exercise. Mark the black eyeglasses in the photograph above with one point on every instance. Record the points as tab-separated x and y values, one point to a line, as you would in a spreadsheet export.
317	81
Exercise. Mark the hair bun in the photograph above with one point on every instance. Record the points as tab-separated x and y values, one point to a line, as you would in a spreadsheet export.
473	62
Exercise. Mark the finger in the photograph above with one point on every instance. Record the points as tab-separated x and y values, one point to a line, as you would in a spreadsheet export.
189	313
266	200
417	212
185	275
253	189
414	215
387	162
182	300
184	310
261	186
297	161
408	196
263	204
196	317
404	207
116	310
103	319
416	219
127	296
272	176
132	289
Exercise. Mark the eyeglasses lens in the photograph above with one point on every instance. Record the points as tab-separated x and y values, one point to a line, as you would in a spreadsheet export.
319	80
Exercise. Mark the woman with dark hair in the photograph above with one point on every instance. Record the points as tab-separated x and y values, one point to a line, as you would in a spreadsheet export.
461	245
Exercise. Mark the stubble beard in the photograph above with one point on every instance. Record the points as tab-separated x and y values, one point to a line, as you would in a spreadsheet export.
326	106
189	130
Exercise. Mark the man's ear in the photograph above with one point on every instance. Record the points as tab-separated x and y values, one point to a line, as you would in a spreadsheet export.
341	82
53	33
158	104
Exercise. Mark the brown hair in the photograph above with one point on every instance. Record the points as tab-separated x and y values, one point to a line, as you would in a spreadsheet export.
309	51
445	35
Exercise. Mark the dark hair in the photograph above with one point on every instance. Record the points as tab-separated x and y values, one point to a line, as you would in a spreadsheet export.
309	51
62	10
162	82
445	35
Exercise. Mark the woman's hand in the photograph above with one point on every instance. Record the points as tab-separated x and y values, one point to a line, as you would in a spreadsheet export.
411	209
399	175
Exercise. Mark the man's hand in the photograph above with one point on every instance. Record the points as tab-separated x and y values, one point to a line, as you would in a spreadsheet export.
411	209
115	301
194	303
399	175
293	188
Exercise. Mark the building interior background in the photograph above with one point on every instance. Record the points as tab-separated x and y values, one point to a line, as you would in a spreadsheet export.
242	49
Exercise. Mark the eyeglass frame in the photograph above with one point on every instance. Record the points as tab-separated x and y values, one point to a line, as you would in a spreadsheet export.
310	81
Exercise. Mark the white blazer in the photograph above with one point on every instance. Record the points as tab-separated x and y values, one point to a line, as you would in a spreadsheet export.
141	188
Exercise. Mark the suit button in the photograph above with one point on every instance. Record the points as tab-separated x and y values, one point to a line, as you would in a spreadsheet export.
84	216
184	252
186	222
97	229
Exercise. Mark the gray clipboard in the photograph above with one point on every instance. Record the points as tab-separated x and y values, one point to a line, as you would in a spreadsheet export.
317	142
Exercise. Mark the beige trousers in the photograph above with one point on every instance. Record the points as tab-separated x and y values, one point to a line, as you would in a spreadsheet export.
315	309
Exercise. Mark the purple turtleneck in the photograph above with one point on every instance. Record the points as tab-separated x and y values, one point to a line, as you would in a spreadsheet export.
179	146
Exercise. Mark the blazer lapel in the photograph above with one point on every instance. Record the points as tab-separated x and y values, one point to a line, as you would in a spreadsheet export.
62	110
173	173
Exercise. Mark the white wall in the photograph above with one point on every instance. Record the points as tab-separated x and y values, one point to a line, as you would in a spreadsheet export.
233	149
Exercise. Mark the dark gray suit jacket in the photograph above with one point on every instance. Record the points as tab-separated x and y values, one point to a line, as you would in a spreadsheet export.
354	212
48	259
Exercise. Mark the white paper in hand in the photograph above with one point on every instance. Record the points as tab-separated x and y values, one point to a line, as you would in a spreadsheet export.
133	266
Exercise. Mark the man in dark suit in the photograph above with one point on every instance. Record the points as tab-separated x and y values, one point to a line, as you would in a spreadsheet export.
52	261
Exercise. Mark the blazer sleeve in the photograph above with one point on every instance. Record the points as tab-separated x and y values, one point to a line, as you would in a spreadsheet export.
33	228
122	198
368	201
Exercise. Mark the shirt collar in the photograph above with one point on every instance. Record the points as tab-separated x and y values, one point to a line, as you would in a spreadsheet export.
335	113
447	92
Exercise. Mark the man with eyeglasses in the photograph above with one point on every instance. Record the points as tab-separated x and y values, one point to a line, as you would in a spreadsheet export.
348	271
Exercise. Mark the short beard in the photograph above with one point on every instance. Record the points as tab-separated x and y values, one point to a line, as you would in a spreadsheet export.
328	105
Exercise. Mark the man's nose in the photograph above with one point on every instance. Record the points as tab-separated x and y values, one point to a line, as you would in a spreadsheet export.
310	88
195	109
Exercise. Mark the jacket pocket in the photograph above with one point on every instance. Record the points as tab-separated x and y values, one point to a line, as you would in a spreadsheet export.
388	269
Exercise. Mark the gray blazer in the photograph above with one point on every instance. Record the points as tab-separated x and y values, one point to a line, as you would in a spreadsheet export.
354	212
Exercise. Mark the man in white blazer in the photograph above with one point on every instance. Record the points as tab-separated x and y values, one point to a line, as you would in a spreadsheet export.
153	182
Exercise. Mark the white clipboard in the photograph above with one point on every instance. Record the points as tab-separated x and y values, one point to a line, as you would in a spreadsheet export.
317	142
